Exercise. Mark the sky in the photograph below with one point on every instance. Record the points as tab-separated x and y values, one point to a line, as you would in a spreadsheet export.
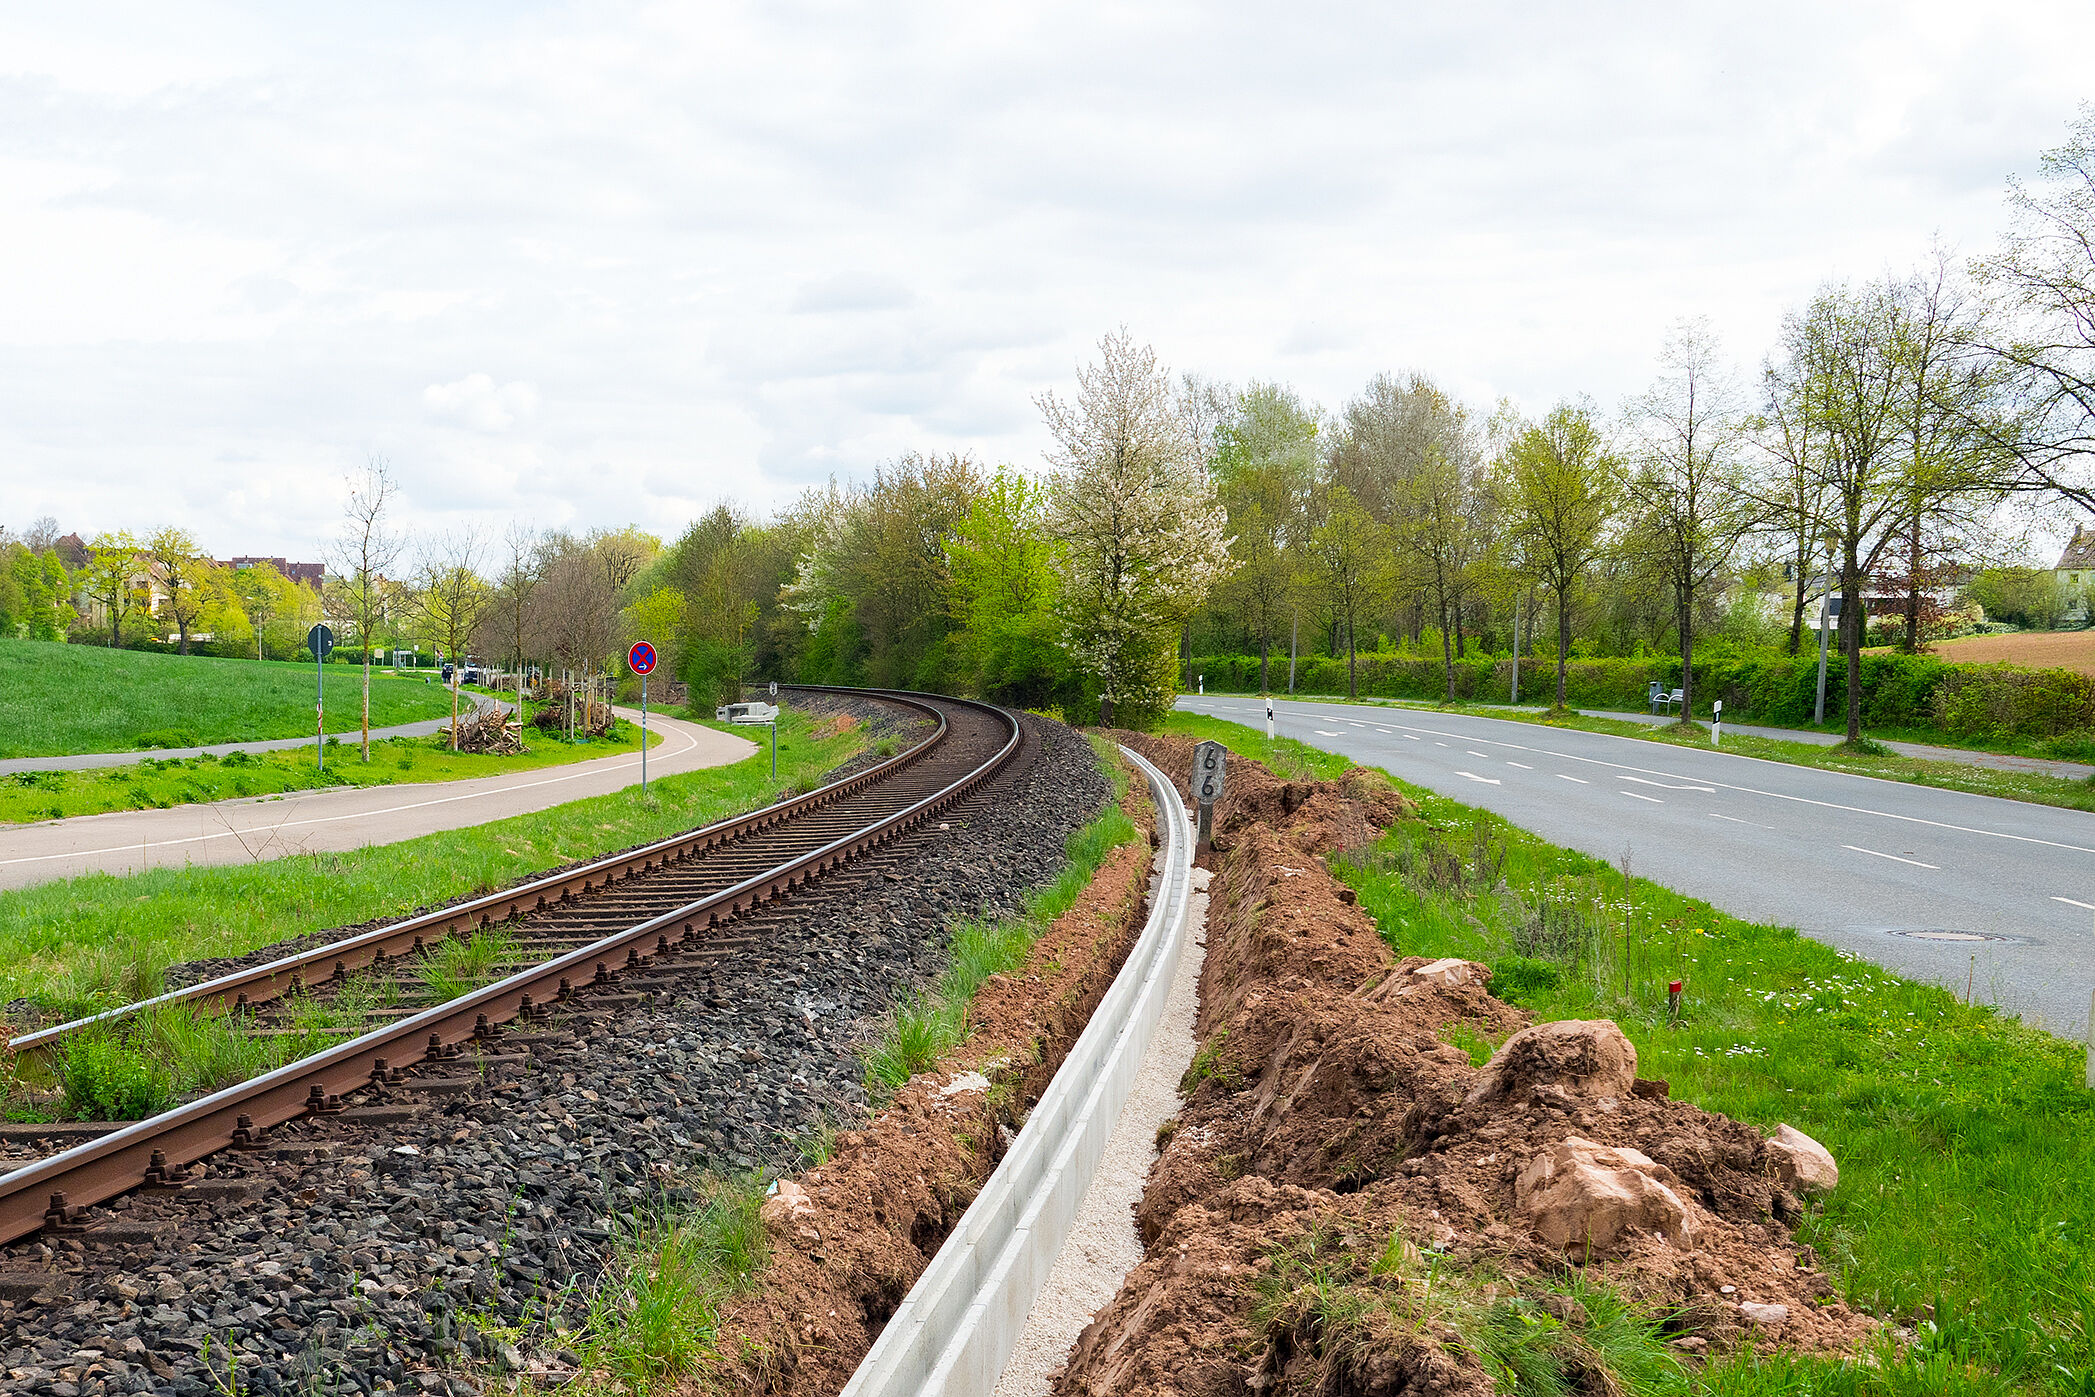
596	264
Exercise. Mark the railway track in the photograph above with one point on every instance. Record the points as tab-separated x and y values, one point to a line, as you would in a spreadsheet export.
582	942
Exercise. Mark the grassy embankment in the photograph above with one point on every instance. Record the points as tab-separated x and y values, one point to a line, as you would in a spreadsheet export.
56	700
157	784
1965	1140
657	1319
102	939
2034	787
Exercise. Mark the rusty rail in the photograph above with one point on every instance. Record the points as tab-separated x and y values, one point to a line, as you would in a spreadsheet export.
54	1190
411	935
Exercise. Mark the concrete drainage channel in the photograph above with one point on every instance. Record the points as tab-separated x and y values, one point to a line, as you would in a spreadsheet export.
958	1324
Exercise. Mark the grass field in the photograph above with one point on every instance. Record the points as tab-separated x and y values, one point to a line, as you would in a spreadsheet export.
156	784
95	940
1965	1140
56	700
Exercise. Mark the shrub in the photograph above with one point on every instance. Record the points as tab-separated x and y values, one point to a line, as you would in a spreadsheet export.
105	1078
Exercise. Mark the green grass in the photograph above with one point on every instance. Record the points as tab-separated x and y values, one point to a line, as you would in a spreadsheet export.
56	700
158	784
458	965
55	933
932	1023
1966	1140
656	1317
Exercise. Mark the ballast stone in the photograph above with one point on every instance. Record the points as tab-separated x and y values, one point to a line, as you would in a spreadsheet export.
1802	1163
1586	1057
1582	1194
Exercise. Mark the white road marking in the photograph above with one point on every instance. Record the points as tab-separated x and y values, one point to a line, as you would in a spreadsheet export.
1412	737
1522	765
1634	796
2075	902
1665	786
1480	754
1487	780
1321	733
1580	779
1737	821
1895	858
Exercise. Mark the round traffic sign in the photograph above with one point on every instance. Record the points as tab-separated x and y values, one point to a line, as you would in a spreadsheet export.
641	658
320	641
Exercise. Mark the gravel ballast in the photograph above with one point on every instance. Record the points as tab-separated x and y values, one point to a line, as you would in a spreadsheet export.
377	1254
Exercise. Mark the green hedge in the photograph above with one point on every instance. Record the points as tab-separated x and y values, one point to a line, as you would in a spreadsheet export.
1986	702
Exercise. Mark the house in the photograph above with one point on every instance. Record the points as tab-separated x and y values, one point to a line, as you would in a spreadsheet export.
311	574
2076	566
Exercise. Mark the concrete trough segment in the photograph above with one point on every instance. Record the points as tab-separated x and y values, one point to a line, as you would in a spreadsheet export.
958	1324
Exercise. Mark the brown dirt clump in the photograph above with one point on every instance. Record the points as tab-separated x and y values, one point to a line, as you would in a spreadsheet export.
849	1237
1327	1113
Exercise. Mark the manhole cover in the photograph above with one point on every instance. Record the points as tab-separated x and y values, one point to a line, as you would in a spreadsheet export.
1951	936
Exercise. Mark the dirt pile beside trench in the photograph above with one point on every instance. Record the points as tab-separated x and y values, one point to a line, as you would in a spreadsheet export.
849	1237
1335	1141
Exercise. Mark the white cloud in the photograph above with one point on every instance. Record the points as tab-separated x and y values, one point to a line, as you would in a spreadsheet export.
734	249
477	403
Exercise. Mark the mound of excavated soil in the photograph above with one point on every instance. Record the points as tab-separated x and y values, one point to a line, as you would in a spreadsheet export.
851	1236
1329	1110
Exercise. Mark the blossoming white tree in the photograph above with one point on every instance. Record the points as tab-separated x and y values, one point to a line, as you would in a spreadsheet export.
1139	531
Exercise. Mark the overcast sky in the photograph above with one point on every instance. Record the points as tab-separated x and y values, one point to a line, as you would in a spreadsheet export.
607	263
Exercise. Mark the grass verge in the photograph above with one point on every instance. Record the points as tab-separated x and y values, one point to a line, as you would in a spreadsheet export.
56	700
70	945
1965	1140
155	784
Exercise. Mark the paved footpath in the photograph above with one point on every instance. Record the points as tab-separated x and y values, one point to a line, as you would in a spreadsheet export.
87	761
332	819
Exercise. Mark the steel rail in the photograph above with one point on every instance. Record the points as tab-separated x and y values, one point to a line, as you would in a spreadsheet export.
411	935
57	1189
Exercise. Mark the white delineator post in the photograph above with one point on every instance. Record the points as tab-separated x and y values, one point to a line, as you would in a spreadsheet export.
1269	719
1716	727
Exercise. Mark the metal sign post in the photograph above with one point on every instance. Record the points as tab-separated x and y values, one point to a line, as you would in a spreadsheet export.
641	660
774	730
321	641
1210	771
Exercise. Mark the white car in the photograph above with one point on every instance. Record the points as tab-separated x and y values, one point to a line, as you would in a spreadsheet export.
756	713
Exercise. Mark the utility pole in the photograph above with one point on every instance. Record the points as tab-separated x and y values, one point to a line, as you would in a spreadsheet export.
1818	712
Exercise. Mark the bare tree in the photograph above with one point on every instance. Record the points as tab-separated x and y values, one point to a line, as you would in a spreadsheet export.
1688	501
450	599
574	613
366	547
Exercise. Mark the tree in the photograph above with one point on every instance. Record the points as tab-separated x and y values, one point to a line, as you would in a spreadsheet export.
451	599
1350	550
1562	490
622	553
1141	537
1265	465
2043	281
1688	500
1791	493
111	579
1003	593
1436	526
366	547
522	558
179	569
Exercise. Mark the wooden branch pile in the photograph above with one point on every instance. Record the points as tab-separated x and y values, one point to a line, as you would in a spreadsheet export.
491	731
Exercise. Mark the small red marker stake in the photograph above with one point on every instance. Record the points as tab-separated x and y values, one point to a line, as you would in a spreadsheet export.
1673	1001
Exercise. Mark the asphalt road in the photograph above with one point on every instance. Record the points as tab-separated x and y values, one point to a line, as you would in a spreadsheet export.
338	817
1916	879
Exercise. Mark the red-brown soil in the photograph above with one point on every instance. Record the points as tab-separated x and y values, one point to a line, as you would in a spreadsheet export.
872	1216
1331	1112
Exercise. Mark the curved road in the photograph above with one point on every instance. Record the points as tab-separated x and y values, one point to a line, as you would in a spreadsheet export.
336	818
1916	879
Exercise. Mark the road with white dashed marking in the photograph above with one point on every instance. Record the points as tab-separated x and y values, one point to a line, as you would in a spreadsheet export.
1900	874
